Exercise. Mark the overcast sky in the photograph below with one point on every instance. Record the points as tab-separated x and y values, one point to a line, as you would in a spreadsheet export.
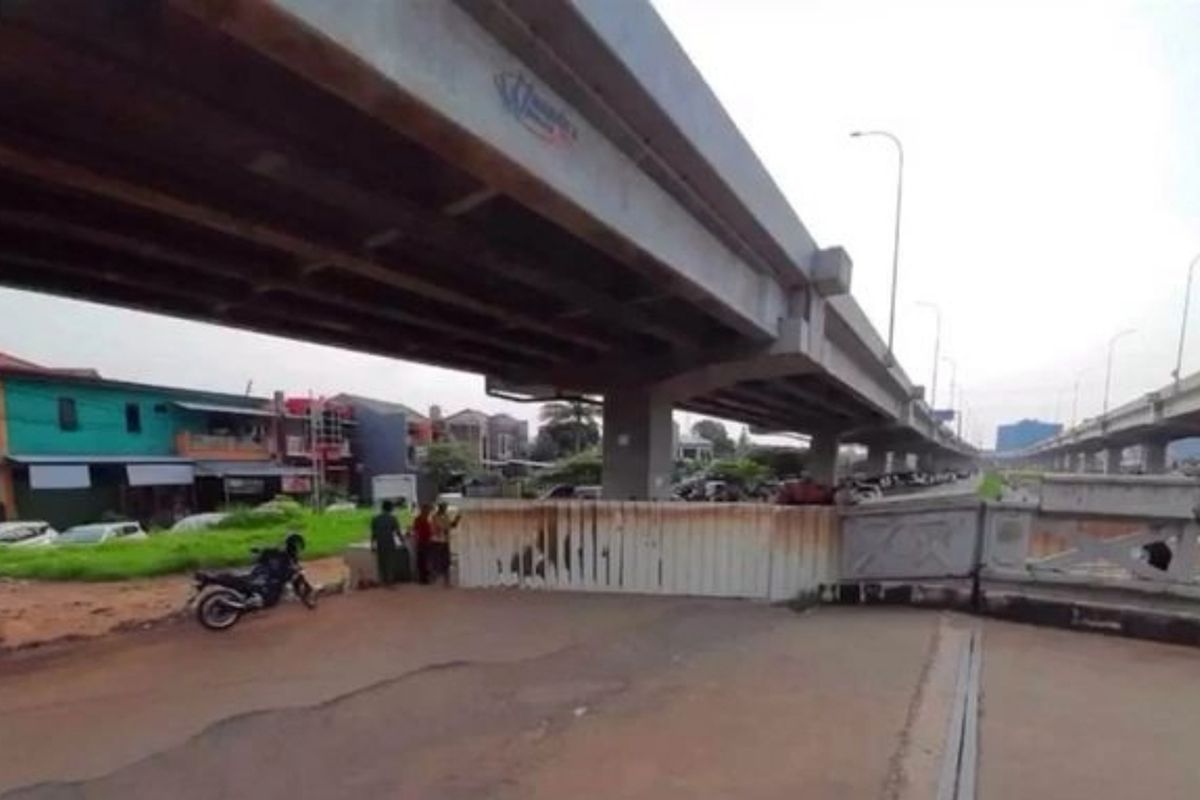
1052	198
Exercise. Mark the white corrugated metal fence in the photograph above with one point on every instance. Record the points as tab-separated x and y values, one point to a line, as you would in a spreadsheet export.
715	549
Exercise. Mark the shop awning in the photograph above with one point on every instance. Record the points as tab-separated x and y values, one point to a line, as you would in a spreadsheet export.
213	408
160	474
59	476
88	458
247	469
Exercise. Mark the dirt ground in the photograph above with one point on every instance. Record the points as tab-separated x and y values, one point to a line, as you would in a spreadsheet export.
35	612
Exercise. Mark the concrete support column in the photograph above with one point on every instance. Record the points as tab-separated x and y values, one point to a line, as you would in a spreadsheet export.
926	461
1112	460
637	445
877	460
822	458
1154	458
1081	461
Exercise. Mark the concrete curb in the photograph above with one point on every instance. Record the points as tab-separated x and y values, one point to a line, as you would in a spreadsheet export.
1026	606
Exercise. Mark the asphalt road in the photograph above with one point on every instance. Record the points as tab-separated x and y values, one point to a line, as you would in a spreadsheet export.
457	694
468	694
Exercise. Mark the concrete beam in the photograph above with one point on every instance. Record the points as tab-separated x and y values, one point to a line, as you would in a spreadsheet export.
431	72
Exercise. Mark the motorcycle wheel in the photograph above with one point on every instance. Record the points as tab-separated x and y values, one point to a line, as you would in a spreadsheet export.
306	592
215	611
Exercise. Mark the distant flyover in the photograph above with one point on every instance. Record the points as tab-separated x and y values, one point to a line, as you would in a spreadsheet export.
1151	423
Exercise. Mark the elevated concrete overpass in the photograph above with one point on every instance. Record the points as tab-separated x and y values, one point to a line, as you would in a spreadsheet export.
1150	423
548	194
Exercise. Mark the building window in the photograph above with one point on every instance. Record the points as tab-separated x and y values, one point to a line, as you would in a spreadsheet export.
133	418
68	418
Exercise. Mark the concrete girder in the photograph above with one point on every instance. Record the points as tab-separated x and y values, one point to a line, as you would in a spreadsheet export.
428	70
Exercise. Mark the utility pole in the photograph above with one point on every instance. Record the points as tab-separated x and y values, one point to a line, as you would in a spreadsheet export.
314	421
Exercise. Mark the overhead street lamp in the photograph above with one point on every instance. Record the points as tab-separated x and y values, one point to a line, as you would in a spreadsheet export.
937	347
1187	295
896	240
1112	343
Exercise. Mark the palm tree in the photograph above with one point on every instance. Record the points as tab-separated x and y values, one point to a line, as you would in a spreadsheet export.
576	413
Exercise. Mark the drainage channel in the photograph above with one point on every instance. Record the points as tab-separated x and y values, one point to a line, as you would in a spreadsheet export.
958	774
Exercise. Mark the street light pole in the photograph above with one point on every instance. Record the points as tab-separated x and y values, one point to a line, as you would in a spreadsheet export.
1075	400
896	239
937	348
1187	295
953	387
1108	369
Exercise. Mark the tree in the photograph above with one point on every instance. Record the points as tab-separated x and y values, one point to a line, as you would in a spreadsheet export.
574	422
741	472
447	463
781	462
714	432
581	469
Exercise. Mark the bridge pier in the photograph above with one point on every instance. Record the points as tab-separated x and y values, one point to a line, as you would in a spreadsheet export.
822	457
877	460
637	445
1112	460
1154	457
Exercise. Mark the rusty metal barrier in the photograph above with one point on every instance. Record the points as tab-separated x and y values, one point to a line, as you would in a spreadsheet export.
715	549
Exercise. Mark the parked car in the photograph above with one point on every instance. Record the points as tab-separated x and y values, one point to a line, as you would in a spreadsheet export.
198	522
101	532
23	533
567	491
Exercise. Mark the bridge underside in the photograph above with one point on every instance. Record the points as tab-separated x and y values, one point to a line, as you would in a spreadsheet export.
150	161
147	160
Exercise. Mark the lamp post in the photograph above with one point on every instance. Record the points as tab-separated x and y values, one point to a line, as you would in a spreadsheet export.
1112	343
1187	294
896	240
953	384
937	347
1075	400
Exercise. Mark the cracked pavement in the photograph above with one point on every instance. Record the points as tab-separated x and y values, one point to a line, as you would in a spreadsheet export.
449	694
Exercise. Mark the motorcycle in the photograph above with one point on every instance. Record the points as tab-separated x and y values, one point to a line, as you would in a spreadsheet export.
221	598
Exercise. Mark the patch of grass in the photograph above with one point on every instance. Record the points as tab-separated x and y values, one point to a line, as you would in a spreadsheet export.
992	486
165	553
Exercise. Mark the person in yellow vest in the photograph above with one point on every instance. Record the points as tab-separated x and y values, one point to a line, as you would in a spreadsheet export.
442	522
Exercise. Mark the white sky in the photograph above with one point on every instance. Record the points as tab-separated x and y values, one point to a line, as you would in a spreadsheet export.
1052	198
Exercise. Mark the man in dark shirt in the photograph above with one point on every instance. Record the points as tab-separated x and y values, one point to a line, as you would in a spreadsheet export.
384	530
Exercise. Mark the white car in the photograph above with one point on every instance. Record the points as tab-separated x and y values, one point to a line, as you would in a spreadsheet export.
198	522
23	533
101	532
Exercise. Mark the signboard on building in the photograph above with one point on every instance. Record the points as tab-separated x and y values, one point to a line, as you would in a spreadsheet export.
296	484
245	485
943	415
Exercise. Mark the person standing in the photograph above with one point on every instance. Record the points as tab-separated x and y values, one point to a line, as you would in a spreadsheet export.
442	523
422	528
384	532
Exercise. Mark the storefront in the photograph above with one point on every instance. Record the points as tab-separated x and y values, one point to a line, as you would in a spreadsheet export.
72	490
